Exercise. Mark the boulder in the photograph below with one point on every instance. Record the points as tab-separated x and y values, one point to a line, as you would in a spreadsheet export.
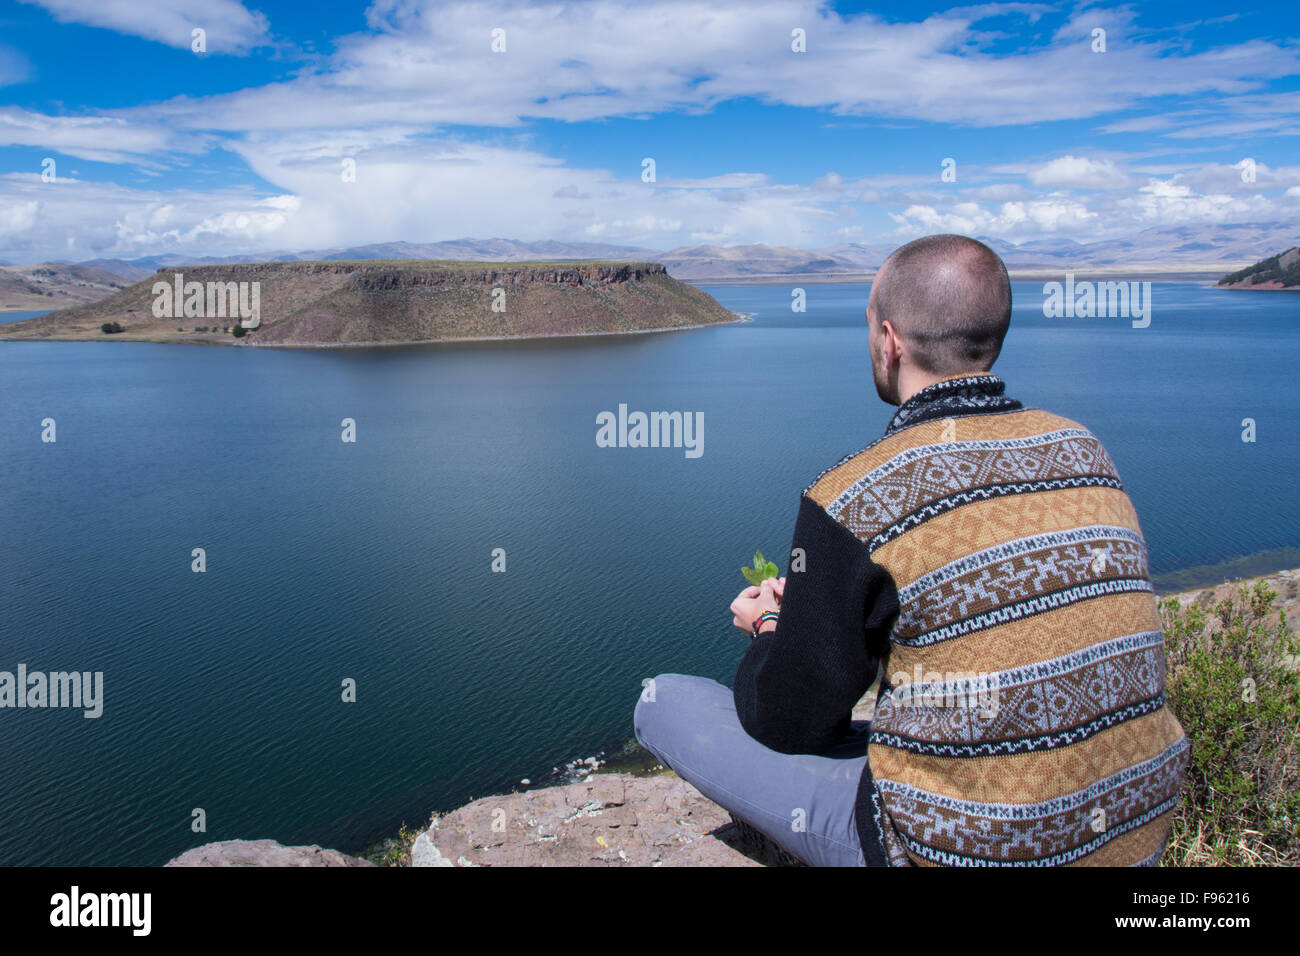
263	853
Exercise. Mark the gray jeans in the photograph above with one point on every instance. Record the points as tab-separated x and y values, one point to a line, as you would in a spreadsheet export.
802	802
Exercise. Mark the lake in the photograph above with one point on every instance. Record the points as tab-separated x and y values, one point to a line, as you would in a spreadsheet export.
371	561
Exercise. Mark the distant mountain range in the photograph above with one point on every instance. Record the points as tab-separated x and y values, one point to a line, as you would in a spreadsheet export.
1204	249
458	250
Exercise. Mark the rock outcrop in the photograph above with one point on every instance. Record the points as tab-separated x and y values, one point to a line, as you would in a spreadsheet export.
263	853
611	819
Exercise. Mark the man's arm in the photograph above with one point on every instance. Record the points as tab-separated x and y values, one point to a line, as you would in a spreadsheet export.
796	685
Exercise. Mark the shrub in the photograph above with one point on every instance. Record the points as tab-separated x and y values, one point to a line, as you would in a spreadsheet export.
109	328
238	331
1232	682
394	851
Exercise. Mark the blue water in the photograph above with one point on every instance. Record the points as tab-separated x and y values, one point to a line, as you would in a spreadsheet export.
372	561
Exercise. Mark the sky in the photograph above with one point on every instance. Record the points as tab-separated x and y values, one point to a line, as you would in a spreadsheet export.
648	123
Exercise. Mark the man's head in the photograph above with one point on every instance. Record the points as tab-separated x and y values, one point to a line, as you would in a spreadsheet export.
939	306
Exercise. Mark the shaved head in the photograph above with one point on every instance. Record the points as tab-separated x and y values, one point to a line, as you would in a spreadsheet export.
949	299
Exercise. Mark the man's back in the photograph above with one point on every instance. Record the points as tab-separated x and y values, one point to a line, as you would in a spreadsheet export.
981	558
1022	716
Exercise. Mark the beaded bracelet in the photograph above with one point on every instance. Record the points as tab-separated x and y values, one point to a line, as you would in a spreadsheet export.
764	618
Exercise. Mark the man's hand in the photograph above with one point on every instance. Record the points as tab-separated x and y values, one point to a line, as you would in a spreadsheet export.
753	601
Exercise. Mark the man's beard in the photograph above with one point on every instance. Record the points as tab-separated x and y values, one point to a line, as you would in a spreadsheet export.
887	390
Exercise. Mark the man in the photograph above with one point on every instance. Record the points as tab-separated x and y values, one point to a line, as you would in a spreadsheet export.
984	560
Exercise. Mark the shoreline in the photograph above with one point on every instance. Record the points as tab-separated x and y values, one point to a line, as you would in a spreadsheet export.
1270	286
1247	567
740	317
230	341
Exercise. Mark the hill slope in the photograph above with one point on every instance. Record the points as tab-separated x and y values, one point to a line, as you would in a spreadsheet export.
52	285
1281	271
383	302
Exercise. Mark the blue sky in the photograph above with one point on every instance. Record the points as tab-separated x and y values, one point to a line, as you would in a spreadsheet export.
240	147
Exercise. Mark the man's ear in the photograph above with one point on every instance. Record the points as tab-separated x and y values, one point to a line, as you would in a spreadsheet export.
889	343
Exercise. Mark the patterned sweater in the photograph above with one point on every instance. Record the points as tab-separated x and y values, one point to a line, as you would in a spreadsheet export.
986	556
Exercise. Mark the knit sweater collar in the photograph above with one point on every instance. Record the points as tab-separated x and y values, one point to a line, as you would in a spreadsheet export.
976	393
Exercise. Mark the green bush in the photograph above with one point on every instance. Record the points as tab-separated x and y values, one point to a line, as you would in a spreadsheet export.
109	328
238	331
1233	684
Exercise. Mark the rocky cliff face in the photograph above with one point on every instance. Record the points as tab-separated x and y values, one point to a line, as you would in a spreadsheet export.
360	303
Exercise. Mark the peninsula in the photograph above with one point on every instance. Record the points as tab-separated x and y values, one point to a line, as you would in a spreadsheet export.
1281	271
379	302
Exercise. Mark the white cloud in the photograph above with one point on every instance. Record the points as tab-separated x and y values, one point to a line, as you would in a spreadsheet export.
1172	201
404	190
431	63
1138	124
423	191
1078	172
41	220
103	138
17	217
1012	220
726	181
1222	177
646	226
1080	26
229	25
1001	192
1166	202
383	98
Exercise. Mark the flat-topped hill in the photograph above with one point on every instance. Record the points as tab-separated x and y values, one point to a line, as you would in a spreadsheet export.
385	302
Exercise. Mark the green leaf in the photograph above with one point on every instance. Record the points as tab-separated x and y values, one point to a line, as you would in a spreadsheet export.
761	571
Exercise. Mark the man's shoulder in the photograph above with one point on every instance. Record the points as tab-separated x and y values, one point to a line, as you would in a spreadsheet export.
959	435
